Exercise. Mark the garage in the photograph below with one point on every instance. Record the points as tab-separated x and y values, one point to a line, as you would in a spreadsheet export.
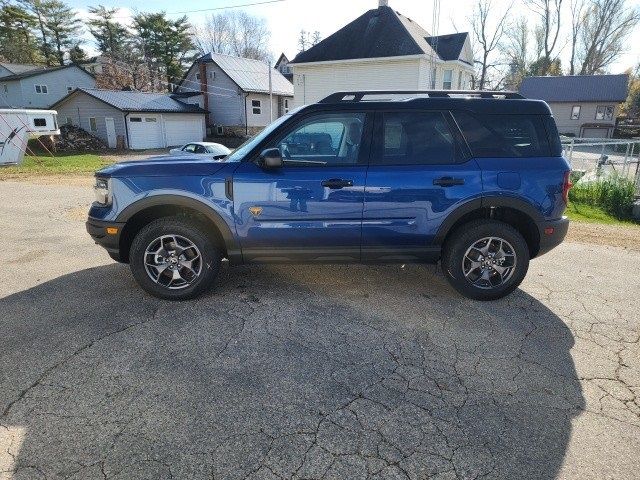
139	120
145	131
181	129
595	132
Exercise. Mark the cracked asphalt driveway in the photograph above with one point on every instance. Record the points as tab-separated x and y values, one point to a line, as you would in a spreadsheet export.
308	371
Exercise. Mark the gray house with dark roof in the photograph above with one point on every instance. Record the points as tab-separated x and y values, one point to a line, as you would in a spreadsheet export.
136	120
382	50
40	87
582	105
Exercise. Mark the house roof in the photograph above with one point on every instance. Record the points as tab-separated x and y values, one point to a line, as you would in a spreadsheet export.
250	75
18	68
128	101
41	70
282	58
577	88
448	47
382	32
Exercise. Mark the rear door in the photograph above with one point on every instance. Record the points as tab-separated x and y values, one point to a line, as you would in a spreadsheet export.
419	173
311	208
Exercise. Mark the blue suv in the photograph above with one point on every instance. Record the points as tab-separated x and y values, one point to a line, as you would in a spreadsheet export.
473	179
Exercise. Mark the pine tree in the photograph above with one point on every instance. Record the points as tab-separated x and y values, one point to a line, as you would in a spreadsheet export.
63	26
17	41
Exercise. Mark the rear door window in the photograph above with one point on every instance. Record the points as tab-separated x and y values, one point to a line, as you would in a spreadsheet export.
415	138
504	135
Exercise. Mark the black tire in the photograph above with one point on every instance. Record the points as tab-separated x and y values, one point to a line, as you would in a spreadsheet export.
469	234
186	228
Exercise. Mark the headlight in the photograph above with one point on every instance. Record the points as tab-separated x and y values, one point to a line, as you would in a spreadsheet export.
102	190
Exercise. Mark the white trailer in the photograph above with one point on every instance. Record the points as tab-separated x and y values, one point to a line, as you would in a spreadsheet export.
18	126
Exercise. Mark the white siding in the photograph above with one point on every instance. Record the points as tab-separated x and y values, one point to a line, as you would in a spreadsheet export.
314	82
56	82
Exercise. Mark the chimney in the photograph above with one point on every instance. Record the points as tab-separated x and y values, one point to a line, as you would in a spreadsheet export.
383	3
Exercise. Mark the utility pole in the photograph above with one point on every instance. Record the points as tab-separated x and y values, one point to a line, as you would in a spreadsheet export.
270	93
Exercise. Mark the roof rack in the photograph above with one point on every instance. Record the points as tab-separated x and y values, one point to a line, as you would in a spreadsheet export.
357	96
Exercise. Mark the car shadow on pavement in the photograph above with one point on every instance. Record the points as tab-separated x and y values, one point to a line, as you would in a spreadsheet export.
282	371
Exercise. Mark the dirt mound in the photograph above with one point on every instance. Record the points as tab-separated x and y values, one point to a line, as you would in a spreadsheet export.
72	139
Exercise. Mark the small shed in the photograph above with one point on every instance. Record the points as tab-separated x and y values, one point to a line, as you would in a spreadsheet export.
135	120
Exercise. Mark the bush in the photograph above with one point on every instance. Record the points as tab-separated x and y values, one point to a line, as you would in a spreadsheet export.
614	195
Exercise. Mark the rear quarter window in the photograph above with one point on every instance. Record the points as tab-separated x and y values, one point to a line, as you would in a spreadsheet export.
491	135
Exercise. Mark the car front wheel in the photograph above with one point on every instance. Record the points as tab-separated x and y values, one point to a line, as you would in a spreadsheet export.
173	258
485	259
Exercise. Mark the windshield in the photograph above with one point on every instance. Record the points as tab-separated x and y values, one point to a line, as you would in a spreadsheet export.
239	153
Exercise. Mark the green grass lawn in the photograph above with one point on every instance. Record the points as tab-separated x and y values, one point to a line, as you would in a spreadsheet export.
579	212
62	163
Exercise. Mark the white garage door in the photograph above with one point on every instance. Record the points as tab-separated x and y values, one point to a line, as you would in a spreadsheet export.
181	129
595	132
145	131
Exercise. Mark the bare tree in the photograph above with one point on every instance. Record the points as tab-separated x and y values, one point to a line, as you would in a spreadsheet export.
488	31
577	17
234	33
607	25
516	51
547	32
303	40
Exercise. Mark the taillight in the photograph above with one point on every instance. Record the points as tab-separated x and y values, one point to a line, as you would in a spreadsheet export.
566	186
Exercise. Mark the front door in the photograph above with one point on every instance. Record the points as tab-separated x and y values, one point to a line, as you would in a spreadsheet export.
418	174
111	132
311	208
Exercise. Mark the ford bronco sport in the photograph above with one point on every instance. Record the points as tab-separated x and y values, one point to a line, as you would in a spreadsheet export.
473	179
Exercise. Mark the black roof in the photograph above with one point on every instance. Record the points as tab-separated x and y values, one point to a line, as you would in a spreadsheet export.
39	71
382	32
131	101
448	47
577	88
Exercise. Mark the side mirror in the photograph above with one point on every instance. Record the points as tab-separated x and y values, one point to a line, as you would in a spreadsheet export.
271	158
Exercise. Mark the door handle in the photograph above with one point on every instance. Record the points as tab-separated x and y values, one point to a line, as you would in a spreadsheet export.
448	181
337	183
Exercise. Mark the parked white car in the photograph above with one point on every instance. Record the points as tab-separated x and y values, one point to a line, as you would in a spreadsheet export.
215	151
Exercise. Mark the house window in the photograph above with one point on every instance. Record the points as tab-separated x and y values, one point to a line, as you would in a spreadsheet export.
39	122
434	71
150	119
256	106
197	76
68	121
93	125
212	75
135	119
69	89
220	130
447	79
41	89
286	105
604	112
575	112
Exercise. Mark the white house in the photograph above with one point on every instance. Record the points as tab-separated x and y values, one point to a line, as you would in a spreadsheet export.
41	87
235	92
382	50
136	120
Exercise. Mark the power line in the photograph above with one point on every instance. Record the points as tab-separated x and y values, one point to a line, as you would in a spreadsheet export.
227	8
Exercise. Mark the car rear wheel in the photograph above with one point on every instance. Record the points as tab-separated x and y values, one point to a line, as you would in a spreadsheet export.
173	258
485	259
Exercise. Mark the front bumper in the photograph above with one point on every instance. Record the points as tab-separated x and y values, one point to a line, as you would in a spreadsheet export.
109	241
552	234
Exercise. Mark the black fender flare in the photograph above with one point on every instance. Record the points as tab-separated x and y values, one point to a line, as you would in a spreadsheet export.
231	245
487	202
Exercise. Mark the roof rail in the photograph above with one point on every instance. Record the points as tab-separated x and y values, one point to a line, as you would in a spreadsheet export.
357	96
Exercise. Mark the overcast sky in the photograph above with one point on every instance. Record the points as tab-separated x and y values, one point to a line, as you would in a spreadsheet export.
287	18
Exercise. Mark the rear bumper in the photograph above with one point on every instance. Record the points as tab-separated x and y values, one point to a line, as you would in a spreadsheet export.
552	234
109	241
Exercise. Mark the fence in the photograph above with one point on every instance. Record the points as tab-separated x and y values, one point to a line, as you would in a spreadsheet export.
603	157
